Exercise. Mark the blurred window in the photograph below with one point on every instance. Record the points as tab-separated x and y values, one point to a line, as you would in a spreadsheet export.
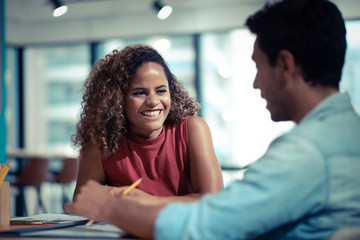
240	123
177	51
351	73
12	100
53	80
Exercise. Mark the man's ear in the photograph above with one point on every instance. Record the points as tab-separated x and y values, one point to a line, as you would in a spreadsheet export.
286	63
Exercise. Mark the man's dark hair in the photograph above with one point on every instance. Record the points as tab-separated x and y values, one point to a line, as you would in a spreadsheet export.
312	30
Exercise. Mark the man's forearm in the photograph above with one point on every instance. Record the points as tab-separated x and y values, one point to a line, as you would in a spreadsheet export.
134	217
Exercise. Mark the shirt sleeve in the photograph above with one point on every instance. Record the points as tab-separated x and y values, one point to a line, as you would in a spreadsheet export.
288	182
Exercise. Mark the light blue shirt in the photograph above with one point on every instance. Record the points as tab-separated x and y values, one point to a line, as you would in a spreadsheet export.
306	186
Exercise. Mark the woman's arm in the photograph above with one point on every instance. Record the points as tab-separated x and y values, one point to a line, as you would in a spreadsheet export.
206	175
90	167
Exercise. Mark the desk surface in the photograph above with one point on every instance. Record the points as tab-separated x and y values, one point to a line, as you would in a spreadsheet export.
65	227
46	238
54	238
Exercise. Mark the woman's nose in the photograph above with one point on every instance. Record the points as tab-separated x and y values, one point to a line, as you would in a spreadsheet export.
153	100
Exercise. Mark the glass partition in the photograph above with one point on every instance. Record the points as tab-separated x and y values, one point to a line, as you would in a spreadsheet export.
241	125
12	100
178	52
351	73
53	81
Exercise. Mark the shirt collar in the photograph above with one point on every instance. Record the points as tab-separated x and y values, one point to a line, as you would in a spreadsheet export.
333	103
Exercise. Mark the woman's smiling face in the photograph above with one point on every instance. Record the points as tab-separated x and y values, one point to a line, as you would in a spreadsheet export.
148	100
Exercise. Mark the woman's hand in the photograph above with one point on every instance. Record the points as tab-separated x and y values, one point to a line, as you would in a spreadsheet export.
138	194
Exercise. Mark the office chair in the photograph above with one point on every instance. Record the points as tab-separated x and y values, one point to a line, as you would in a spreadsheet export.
34	173
66	176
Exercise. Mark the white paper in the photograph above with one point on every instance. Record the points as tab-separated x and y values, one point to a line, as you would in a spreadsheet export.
96	230
50	217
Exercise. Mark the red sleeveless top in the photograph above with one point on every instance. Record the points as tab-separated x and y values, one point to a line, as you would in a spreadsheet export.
163	162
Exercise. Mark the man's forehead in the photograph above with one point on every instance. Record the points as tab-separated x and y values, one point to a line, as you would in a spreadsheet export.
255	48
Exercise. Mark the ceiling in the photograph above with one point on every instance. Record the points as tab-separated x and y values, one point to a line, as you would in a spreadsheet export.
34	11
31	22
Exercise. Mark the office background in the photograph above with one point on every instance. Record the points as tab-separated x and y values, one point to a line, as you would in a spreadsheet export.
203	41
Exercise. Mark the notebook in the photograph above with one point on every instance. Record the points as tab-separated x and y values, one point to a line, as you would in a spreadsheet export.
63	225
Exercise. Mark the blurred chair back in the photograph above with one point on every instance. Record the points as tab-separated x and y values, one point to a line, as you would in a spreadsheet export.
35	172
66	176
68	172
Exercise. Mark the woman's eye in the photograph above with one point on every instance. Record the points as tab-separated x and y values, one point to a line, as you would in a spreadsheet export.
161	91
139	93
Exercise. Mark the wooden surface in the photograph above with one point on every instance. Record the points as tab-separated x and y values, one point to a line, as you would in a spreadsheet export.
4	204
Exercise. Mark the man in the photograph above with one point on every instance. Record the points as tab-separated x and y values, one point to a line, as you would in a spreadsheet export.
306	186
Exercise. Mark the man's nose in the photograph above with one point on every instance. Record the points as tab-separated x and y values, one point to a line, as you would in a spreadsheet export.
255	85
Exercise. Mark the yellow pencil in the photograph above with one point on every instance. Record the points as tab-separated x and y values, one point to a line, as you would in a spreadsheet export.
91	221
4	168
132	186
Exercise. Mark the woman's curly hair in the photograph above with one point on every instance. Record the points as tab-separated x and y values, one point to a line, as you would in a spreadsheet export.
103	120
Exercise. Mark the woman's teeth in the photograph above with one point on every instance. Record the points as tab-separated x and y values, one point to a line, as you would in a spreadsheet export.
151	113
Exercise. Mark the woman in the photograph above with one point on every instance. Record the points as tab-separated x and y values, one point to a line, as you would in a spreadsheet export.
139	122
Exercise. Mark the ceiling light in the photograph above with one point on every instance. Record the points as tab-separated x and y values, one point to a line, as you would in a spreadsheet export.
59	8
163	11
162	45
